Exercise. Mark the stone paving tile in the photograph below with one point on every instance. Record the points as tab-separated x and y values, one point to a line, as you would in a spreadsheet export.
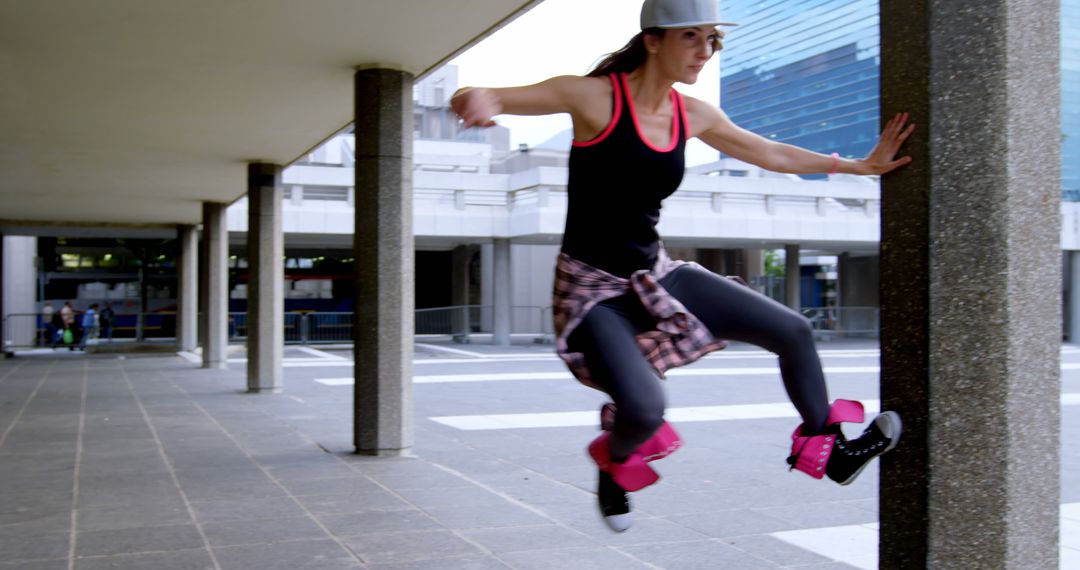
723	524
352	485
18	545
643	531
543	491
663	500
151	513
705	555
422	479
376	548
306	554
452	497
485	563
308	470
377	500
236	533
177	560
520	538
820	515
135	540
60	564
571	559
466	517
776	551
246	509
379	521
233	491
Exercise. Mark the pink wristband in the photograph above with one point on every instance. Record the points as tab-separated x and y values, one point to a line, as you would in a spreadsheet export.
835	163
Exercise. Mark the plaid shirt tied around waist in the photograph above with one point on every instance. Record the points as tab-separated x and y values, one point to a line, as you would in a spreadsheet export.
678	339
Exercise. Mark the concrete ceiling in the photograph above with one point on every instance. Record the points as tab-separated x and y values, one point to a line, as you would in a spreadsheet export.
134	112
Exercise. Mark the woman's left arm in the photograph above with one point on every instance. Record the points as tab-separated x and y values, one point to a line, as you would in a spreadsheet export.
712	126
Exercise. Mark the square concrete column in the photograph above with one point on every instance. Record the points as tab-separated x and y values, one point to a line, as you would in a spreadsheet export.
1074	295
501	289
5	350
753	264
266	272
384	251
461	259
792	276
187	295
216	316
970	285
18	291
204	285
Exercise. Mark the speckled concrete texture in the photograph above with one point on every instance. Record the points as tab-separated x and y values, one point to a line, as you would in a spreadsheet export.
383	244
971	286
265	292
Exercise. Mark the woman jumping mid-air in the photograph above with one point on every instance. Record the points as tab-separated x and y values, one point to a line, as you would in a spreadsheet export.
624	311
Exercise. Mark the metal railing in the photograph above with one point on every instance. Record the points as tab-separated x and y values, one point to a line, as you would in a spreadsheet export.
459	322
28	330
844	321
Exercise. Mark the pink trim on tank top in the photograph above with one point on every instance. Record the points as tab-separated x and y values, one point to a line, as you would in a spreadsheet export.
614	117
637	125
682	111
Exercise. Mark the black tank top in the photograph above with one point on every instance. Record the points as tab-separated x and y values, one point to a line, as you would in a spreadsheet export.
617	182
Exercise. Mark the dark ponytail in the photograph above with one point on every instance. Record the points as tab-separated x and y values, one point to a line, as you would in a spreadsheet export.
630	57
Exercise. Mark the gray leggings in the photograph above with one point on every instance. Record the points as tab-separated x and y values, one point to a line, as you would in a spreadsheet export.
731	311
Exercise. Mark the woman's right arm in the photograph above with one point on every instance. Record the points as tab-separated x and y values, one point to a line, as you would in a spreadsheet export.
564	94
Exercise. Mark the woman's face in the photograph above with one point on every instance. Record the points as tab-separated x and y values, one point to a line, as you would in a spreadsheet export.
683	52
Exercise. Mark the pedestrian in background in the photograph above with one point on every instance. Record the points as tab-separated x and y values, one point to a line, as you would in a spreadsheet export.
47	313
89	326
67	317
105	319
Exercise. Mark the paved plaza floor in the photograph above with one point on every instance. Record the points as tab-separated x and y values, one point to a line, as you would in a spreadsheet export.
147	461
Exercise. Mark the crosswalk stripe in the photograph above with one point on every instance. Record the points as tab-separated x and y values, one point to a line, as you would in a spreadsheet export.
857	545
564	375
590	418
675	415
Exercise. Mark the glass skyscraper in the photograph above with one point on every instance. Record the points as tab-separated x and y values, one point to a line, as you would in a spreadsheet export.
1070	99
805	72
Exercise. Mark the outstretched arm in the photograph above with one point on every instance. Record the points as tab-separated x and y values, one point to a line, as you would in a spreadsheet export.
713	127
477	105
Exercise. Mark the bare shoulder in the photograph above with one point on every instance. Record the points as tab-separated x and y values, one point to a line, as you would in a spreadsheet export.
703	116
580	89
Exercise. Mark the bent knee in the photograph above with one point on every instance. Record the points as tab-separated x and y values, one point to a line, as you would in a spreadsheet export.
640	417
795	331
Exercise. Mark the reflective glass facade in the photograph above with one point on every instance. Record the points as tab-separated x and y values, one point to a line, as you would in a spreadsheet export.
1070	99
805	72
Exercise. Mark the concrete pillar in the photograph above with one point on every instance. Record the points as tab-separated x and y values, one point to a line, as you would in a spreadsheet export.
5	347
203	286
1073	287
753	264
970	294
459	291
18	292
187	295
501	289
266	273
383	244
216	316
792	276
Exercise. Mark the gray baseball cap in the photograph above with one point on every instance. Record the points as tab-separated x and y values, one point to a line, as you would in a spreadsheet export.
681	14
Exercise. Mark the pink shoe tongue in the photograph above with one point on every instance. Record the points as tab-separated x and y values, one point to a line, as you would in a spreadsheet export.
634	474
662	444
